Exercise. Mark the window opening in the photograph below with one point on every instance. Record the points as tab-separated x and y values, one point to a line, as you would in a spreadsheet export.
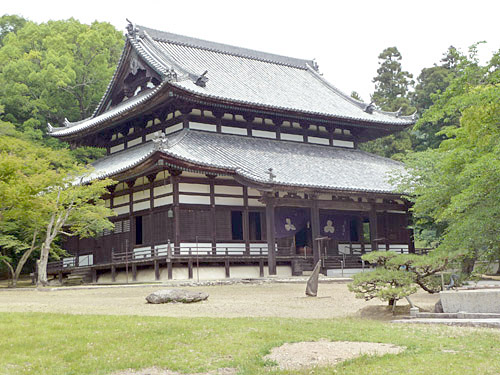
138	230
255	225
237	225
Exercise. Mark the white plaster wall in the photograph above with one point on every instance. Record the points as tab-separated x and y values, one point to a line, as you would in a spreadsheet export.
235	190
194	188
319	141
292	137
122	210
252	202
163	201
233	130
116	148
173	128
203	272
263	134
143	194
194	199
134	142
141	206
164	189
122	199
226	201
340	143
201	126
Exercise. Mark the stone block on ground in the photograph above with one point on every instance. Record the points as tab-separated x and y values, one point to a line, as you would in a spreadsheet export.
176	295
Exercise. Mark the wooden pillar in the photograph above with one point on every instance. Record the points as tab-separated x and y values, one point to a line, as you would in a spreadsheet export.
373	227
211	180
94	275
361	234
151	179
113	273
174	180
411	236
270	233
131	241
246	221
315	230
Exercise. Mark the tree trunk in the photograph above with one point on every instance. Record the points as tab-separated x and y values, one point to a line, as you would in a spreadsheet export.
42	265
11	270
468	265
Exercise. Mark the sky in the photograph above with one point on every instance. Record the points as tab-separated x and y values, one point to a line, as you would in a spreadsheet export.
345	37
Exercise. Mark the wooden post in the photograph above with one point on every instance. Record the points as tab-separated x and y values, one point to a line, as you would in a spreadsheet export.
169	261
315	231
60	275
373	227
211	180
226	265
174	176
261	267
411	237
157	269
270	232
94	275
113	273
190	268
134	272
246	221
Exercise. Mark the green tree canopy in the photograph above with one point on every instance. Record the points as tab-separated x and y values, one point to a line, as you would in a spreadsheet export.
54	70
392	85
457	185
39	200
10	24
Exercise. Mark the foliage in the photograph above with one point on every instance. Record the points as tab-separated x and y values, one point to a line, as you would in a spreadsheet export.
82	344
391	94
457	185
397	275
432	82
38	198
55	70
10	24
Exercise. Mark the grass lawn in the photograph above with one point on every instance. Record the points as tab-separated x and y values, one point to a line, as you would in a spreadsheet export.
36	343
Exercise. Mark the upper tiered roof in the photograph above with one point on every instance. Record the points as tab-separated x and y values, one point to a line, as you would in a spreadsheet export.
228	75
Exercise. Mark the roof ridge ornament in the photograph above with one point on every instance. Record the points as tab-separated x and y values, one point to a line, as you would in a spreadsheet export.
160	141
131	28
370	107
202	80
272	176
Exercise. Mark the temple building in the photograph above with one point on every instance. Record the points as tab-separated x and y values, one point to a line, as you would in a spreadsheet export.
231	162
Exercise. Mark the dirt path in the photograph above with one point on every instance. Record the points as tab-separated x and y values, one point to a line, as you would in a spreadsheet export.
238	300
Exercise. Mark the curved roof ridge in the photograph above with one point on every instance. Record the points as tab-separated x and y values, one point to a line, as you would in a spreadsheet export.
163	36
70	127
112	81
322	79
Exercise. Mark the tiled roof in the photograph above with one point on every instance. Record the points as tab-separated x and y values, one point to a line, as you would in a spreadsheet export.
243	77
293	164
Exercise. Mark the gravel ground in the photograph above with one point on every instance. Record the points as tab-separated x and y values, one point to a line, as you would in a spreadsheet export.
237	300
321	353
